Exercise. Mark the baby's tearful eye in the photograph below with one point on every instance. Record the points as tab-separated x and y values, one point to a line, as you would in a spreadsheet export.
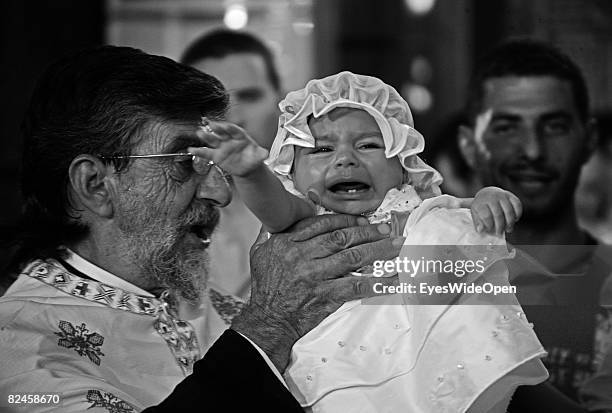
321	149
370	145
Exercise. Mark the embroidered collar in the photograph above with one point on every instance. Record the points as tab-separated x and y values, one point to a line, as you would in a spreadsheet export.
52	273
99	274
107	289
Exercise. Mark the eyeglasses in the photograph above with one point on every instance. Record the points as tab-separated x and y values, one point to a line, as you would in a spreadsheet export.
200	165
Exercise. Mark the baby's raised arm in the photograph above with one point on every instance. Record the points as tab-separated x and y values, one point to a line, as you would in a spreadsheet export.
230	147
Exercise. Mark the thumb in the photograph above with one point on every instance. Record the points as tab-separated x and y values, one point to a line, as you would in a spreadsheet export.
314	196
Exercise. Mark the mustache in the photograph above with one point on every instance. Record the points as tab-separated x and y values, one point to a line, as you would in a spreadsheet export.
538	167
184	273
202	214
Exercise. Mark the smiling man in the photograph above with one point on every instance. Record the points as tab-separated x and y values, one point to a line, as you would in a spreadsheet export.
530	133
531	136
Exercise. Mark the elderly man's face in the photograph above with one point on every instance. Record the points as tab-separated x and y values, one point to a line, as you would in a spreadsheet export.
530	140
165	211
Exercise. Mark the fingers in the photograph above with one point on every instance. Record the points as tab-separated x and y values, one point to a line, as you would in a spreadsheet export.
354	288
314	196
210	137
499	218
478	224
220	154
230	147
495	218
314	226
228	128
216	132
516	205
203	152
509	216
485	217
341	239
223	131
495	210
262	237
350	259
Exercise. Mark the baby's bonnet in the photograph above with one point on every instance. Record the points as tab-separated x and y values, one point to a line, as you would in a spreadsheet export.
349	90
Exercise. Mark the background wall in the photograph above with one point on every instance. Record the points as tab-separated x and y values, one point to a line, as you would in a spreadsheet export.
32	34
166	27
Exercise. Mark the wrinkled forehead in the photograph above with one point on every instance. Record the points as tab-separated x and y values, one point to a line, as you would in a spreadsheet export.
168	136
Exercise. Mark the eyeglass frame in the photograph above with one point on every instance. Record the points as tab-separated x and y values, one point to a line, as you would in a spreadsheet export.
226	177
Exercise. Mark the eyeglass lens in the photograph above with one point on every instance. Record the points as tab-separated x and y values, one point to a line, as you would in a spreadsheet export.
200	165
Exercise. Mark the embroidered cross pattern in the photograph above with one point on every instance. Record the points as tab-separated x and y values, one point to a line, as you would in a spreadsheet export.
105	294
124	302
227	306
181	340
109	401
62	279
81	340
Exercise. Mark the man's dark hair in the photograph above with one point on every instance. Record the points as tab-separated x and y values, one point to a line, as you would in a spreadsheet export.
222	42
526	57
100	101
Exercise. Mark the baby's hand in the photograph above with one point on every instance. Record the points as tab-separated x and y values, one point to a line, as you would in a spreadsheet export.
230	147
495	210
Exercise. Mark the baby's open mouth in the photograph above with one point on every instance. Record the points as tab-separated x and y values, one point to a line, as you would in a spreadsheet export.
352	187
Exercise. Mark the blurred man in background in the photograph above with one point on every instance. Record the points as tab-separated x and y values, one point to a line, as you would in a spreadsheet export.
245	66
530	132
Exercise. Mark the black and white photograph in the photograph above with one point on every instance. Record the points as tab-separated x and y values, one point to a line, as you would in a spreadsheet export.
326	206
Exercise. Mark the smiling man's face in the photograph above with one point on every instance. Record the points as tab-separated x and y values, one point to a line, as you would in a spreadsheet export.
529	139
347	168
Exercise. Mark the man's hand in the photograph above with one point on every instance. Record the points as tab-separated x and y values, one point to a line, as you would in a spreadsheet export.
299	278
230	147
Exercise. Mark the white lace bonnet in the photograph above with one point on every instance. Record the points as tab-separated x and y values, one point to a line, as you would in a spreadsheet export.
347	89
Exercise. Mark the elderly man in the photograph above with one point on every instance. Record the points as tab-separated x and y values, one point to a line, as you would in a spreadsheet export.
113	253
245	66
530	133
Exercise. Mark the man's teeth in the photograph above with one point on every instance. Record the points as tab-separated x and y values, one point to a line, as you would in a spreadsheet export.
351	191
